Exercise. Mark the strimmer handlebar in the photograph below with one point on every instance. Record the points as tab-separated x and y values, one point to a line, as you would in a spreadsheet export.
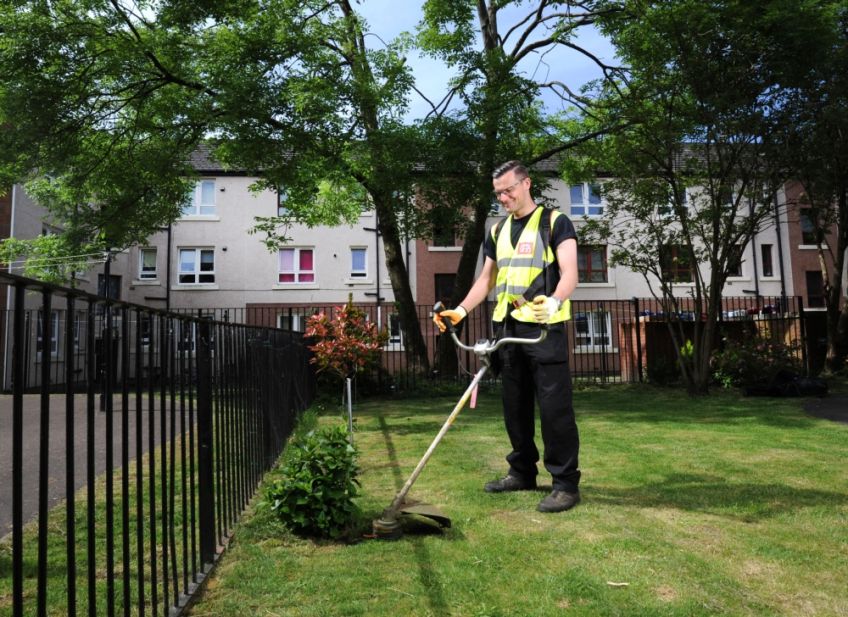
484	347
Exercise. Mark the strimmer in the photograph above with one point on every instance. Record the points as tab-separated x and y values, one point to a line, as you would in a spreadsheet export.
388	526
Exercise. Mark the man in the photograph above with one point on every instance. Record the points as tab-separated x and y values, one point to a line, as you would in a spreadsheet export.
528	255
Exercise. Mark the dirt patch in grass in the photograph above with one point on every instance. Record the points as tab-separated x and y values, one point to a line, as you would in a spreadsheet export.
666	593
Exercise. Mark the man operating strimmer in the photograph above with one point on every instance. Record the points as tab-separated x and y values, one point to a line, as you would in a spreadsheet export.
531	261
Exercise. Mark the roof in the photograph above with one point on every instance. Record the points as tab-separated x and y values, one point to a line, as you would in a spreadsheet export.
203	161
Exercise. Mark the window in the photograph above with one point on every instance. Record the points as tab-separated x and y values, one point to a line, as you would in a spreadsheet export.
79	329
444	234
810	234
444	287
734	262
815	289
145	324
197	266
675	265
592	330
54	333
358	262
282	198
147	264
726	198
666	210
585	200
202	201
592	264
293	322
297	266
187	337
114	286
395	332
767	261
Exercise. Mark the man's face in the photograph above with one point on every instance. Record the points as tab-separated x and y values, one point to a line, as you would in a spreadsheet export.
513	193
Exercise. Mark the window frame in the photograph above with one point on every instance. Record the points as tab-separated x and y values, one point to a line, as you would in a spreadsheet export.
394	342
738	262
815	300
767	260
812	236
676	253
296	271
54	333
197	272
282	198
585	207
598	326
666	211
296	322
141	273
584	258
354	273
195	206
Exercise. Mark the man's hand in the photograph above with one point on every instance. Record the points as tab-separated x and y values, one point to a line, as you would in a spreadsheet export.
455	316
544	308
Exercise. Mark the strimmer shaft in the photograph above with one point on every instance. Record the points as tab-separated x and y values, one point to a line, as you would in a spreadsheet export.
396	504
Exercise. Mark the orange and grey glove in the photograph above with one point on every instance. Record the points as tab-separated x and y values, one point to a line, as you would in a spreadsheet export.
455	316
544	307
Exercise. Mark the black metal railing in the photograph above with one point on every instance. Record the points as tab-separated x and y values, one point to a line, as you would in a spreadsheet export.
154	428
608	339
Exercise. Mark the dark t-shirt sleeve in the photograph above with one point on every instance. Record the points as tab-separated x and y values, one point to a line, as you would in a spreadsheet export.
563	230
489	249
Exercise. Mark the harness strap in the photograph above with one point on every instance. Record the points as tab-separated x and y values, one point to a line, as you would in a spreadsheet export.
540	283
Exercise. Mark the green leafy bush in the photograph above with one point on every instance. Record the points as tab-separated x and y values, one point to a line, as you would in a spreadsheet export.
315	495
753	362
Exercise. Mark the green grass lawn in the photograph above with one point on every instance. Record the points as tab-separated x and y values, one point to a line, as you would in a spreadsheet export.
714	506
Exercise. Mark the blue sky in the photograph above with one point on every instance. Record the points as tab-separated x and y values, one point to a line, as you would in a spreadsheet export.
388	18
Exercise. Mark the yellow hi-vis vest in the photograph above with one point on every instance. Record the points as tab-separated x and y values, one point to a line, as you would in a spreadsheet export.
520	266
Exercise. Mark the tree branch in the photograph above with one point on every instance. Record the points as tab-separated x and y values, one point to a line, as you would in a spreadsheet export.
576	142
167	74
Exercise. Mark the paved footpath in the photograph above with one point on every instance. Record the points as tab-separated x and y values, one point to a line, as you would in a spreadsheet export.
56	467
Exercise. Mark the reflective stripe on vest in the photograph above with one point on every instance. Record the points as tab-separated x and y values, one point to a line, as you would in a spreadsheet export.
519	266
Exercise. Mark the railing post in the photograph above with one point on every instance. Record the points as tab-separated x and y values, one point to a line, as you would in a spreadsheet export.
206	479
70	445
18	359
44	446
802	324
638	329
606	334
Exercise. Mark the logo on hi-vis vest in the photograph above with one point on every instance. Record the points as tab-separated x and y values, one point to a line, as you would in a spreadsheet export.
525	248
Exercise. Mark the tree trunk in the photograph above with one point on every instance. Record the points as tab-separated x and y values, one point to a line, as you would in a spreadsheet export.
399	277
837	316
383	203
837	330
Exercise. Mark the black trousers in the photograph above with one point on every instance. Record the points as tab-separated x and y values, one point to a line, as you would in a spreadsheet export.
540	374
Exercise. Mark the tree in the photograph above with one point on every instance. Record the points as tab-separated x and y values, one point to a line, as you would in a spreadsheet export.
500	115
692	181
47	258
346	343
490	45
103	102
814	146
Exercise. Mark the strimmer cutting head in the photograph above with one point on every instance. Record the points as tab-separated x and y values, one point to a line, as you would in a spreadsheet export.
389	526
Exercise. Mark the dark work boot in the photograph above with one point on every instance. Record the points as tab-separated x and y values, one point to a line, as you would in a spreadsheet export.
510	483
558	501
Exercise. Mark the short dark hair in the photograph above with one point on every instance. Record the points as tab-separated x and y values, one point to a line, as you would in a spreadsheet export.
516	166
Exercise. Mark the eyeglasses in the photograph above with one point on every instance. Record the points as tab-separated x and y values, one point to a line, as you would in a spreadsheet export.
508	190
